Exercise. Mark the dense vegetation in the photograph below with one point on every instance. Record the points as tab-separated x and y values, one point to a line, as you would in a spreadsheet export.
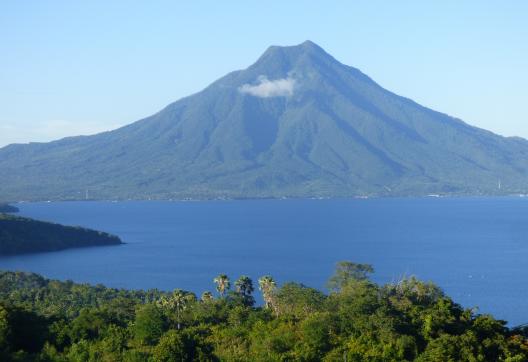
358	320
338	134
8	208
22	235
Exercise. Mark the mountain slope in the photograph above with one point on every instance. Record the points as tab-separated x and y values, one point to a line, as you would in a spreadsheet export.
295	123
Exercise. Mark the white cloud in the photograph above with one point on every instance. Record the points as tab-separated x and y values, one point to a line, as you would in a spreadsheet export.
269	88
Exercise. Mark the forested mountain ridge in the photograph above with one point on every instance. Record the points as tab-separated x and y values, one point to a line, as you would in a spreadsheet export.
20	235
296	123
43	320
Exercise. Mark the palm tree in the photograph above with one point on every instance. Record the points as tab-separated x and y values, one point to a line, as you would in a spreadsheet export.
222	284
244	286
177	302
207	297
180	302
163	302
267	286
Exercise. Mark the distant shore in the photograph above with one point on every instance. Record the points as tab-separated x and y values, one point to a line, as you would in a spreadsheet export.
256	198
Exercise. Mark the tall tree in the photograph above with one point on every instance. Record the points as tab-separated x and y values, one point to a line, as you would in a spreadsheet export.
222	284
207	297
244	288
177	303
149	324
267	286
347	271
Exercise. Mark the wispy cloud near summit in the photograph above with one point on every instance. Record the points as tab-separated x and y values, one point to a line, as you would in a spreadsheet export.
265	88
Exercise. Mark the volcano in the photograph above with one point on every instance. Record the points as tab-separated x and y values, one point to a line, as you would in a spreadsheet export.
296	123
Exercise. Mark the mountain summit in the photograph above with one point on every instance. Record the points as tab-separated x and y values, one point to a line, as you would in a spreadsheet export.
296	123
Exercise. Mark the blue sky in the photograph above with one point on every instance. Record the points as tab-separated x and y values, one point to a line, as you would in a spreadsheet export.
69	67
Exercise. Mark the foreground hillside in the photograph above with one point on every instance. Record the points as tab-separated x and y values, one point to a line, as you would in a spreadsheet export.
295	123
20	235
45	320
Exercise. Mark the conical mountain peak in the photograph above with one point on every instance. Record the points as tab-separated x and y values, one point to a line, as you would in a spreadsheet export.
295	123
292	53
307	46
281	62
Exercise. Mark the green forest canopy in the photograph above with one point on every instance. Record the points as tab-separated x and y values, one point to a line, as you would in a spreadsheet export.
359	320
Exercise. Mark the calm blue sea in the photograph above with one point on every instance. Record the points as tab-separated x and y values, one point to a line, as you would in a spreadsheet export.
476	249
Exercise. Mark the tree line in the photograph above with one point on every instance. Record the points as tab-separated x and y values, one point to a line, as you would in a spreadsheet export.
358	320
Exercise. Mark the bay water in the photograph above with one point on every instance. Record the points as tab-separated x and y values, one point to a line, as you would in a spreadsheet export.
475	249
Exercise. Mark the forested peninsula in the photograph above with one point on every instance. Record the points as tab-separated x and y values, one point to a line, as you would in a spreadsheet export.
19	235
4	207
358	320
